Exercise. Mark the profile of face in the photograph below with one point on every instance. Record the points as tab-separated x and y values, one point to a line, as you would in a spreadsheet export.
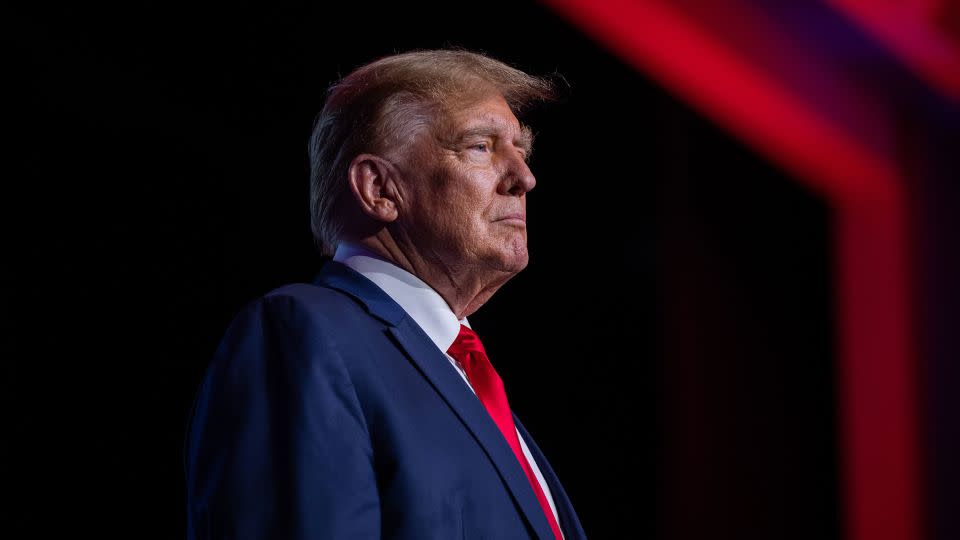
465	184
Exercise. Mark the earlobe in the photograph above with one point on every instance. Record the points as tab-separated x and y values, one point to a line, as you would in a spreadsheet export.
370	179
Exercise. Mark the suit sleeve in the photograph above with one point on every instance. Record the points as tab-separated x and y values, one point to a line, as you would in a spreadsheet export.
278	446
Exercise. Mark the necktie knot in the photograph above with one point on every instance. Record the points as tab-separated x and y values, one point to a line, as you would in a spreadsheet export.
467	342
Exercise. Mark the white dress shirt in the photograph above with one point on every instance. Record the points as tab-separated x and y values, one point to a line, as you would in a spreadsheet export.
429	310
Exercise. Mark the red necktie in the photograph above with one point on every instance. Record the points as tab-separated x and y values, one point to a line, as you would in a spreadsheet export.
468	350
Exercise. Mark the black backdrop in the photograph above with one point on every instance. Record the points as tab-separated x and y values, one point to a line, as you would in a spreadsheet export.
669	345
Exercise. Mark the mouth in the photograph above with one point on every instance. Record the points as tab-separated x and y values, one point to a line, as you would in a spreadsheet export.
518	220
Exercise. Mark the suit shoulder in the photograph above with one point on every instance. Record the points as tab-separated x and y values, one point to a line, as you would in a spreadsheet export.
314	308
306	292
308	316
298	320
316	300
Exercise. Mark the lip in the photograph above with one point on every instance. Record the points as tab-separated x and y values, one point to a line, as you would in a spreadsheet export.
513	219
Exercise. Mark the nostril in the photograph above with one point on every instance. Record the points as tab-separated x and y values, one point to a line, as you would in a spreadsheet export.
517	189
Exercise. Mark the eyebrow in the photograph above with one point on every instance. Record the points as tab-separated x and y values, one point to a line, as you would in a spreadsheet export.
523	140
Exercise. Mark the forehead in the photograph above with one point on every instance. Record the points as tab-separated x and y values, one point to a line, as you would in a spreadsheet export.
491	110
490	115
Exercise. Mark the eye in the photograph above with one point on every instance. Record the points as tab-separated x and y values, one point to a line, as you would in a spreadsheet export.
481	146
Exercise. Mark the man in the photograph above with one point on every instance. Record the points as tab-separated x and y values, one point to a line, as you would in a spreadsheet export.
363	405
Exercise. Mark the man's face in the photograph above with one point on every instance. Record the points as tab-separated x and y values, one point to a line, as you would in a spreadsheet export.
465	184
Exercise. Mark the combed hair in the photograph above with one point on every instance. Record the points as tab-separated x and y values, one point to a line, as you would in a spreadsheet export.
378	108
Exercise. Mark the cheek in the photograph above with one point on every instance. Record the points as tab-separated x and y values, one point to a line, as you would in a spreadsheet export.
453	220
462	204
467	206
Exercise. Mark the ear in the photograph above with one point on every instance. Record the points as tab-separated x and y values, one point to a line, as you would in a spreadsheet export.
371	180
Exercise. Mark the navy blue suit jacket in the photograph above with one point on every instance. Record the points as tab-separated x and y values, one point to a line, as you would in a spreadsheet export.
328	413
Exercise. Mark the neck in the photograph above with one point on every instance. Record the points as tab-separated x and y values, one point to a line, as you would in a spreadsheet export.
464	287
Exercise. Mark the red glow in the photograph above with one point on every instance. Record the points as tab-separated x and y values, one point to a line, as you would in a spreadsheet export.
661	42
908	30
876	374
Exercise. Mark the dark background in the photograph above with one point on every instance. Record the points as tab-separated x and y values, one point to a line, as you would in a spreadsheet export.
669	345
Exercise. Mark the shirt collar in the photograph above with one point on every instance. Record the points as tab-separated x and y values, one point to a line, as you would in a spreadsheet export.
427	308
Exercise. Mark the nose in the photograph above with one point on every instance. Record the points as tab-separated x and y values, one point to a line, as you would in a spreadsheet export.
518	178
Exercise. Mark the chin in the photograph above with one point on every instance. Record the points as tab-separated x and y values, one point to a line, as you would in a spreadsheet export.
515	258
507	255
507	262
515	264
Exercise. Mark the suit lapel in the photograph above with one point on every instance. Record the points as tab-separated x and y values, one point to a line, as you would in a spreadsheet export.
435	367
568	517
